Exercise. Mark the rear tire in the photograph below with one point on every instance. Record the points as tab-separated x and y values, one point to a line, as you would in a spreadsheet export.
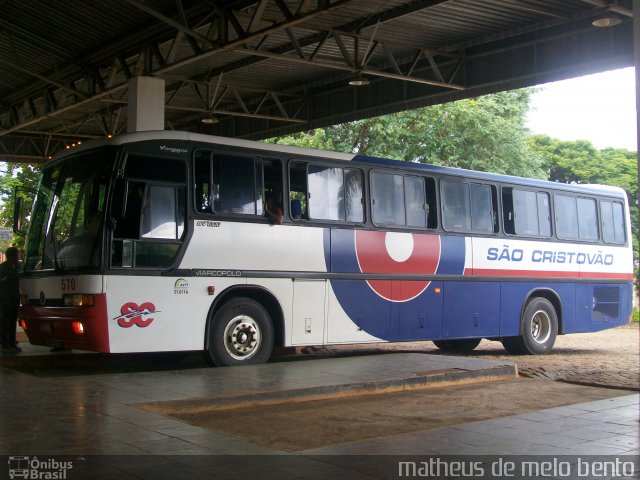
539	329
466	345
240	333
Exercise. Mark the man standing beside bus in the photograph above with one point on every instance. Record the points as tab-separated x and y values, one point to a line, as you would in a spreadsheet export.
9	301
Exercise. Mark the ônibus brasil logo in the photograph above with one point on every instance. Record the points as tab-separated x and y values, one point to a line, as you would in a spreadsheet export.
133	314
37	469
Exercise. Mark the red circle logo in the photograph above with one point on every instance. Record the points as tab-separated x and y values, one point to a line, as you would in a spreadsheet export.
397	253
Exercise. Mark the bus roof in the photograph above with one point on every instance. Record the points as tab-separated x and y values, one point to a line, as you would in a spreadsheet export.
173	135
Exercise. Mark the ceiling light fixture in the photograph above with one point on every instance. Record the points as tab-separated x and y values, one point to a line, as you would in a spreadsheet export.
359	80
209	120
607	20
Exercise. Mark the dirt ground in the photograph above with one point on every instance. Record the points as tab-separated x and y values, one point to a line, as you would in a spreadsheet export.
603	364
288	426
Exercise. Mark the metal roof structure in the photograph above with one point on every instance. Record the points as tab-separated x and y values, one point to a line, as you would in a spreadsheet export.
259	68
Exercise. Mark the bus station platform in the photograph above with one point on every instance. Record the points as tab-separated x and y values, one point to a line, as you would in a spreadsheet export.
117	417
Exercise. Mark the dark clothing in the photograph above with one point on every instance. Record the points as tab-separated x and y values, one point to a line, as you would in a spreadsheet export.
9	284
8	318
9	303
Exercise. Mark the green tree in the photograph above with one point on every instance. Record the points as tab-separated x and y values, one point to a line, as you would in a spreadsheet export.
568	161
486	133
580	162
14	175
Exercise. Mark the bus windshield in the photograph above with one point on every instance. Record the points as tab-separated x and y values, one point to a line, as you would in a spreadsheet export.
65	231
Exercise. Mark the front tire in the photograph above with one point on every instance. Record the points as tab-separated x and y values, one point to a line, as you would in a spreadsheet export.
240	333
539	329
466	345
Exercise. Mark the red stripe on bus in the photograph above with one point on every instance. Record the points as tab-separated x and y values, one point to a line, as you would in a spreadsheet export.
486	272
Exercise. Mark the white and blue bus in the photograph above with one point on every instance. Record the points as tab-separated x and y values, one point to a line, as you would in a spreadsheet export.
159	241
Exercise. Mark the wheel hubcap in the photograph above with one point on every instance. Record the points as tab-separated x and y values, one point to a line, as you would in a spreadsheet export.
242	337
540	327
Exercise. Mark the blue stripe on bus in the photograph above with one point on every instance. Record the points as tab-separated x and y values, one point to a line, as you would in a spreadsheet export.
450	309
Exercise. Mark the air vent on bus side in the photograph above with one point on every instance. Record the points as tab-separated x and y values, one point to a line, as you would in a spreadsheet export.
606	303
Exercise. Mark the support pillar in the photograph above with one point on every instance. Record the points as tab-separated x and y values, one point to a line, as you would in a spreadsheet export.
146	104
636	44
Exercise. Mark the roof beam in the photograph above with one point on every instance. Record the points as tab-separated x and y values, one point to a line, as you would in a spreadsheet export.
169	21
216	46
35	39
347	59
613	7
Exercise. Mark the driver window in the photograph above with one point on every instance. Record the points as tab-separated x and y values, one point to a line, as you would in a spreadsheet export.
150	232
160	217
128	226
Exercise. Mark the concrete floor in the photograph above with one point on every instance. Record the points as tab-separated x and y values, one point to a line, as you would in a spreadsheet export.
90	417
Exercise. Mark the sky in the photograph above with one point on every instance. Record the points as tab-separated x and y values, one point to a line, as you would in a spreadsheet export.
600	108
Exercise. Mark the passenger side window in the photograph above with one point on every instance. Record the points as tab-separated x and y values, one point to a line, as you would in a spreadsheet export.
566	216
298	191
481	208
576	218
272	188
234	180
468	207
544	214
354	195
203	182
322	192
227	183
526	213
587	219
456	211
612	214
326	193
414	200
403	200
388	199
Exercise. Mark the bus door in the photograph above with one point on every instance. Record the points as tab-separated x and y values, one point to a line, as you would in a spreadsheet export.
148	307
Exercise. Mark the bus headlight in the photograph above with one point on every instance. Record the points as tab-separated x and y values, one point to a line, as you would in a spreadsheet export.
77	300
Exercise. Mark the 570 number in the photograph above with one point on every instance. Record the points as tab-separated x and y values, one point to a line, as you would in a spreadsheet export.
68	284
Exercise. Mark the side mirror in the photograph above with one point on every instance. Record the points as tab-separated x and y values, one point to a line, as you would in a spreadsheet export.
119	199
20	209
17	217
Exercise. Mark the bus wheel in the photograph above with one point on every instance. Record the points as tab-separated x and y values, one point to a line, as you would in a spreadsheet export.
539	329
241	333
457	346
